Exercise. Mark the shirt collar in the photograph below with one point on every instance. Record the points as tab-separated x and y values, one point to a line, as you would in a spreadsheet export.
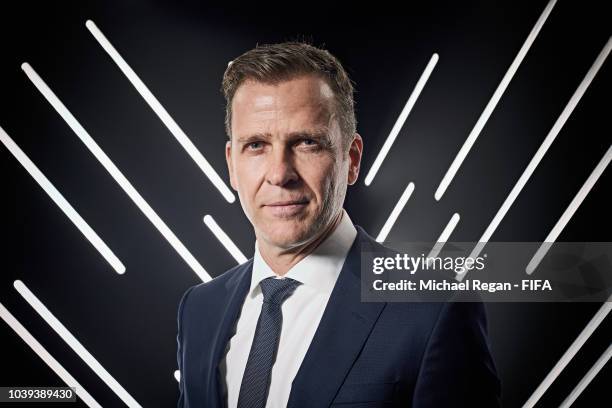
319	270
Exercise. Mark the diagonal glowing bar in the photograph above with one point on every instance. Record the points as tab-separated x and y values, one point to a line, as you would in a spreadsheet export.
161	112
115	172
224	239
448	230
62	203
74	344
401	119
46	357
586	380
550	138
599	316
488	110
382	235
569	212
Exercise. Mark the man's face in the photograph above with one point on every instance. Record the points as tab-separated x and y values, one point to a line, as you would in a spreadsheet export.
287	160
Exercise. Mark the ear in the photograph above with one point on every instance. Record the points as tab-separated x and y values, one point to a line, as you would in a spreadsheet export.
228	159
355	153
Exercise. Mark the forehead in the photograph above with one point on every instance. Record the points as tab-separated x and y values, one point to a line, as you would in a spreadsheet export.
301	101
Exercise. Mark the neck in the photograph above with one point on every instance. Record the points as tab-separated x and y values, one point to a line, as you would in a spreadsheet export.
282	260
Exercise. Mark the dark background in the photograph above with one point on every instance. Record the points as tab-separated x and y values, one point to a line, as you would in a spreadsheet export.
180	50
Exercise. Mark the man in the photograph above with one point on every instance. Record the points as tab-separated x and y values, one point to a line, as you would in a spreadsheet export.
287	328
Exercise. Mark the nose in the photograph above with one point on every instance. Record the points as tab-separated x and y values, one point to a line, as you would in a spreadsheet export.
281	170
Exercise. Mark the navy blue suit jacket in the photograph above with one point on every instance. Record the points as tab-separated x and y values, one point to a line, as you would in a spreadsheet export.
362	354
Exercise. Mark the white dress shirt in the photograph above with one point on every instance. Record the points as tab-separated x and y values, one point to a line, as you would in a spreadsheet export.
302	312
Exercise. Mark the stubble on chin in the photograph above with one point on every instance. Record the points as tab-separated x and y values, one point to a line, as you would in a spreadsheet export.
287	235
291	233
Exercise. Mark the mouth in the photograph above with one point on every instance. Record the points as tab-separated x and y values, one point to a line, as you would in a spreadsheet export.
287	203
285	209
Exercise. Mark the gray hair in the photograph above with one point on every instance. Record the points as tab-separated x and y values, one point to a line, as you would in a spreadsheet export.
275	63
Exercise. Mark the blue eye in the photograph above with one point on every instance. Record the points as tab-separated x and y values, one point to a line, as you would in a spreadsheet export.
254	145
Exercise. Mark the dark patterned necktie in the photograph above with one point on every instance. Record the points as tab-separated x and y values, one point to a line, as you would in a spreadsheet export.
257	373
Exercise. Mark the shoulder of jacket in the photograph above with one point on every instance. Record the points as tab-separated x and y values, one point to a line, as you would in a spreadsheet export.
218	283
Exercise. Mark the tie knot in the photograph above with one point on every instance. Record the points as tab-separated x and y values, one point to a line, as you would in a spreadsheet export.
277	290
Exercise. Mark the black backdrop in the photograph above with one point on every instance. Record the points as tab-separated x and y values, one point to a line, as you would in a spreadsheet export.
180	50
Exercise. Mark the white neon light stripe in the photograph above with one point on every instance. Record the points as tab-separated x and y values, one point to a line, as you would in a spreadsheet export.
399	123
177	376
382	235
224	239
115	172
569	212
161	112
46	357
488	110
550	138
586	380
74	344
448	230
599	316
62	203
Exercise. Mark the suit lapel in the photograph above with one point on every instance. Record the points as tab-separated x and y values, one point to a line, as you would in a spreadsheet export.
236	287
344	328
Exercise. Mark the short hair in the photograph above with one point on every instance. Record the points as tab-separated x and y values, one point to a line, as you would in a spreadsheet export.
275	63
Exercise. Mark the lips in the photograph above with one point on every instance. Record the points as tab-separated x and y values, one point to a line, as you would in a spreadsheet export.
289	202
286	208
